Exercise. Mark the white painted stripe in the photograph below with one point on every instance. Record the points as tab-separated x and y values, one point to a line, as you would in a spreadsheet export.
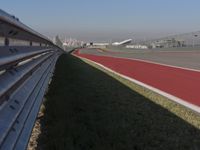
171	97
192	51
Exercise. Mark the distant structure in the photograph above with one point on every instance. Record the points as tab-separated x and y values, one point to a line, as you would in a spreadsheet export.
168	43
125	42
137	46
97	45
58	42
72	43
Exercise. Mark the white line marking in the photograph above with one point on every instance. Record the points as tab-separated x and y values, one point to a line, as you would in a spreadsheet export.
169	96
192	51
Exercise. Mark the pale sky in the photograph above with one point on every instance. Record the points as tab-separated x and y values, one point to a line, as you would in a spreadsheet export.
103	20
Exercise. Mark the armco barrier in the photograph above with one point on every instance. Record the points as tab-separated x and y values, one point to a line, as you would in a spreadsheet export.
27	61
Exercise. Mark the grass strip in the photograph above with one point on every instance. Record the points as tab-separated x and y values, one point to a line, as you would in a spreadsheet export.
181	111
88	110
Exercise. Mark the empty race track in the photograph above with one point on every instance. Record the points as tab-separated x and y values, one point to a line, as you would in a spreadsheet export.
182	58
174	74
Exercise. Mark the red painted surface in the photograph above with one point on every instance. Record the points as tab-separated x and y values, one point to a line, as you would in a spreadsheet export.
182	83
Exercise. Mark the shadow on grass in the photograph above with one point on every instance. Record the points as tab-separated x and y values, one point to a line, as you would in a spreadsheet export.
86	109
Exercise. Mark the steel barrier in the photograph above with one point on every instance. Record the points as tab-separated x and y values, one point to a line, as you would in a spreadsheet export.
27	61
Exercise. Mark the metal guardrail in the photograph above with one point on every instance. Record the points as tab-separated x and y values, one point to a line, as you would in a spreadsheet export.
25	72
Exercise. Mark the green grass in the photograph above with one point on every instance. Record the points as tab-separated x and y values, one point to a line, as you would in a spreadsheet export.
181	111
88	110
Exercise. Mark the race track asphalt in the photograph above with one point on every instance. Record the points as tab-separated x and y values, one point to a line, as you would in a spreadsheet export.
182	58
183	84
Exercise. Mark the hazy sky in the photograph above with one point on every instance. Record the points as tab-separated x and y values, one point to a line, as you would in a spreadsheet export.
101	20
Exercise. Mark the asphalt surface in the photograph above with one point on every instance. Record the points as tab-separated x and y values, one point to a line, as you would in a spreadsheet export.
181	85
187	58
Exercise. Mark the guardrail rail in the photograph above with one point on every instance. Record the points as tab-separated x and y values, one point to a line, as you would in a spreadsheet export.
27	61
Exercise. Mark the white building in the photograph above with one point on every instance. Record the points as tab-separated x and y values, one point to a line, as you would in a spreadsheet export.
137	46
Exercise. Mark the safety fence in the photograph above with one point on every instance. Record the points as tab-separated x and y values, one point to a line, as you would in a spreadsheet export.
27	61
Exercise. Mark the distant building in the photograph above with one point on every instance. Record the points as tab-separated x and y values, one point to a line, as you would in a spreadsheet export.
58	42
168	43
72	43
97	45
137	46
